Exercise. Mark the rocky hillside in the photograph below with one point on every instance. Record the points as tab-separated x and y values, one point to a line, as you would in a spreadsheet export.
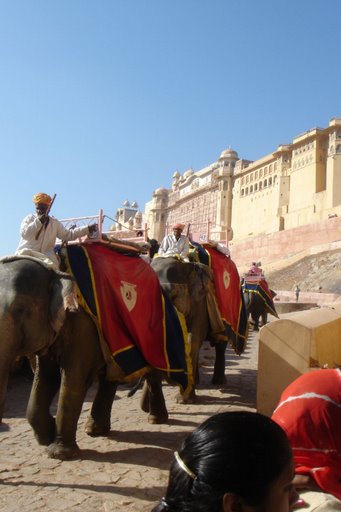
310	273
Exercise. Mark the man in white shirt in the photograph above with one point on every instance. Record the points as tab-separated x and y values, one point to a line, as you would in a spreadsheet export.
175	244
39	231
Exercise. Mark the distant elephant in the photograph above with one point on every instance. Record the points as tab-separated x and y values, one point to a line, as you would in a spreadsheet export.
187	285
69	357
257	308
154	247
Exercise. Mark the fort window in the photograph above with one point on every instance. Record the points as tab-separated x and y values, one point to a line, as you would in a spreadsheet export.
265	183
270	169
256	187
260	185
246	191
256	175
261	173
338	148
265	171
251	189
270	182
242	192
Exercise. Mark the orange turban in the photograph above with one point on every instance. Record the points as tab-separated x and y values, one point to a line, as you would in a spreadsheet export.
178	225
42	198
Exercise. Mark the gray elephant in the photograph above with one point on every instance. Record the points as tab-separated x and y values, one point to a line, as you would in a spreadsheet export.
187	285
69	357
258	307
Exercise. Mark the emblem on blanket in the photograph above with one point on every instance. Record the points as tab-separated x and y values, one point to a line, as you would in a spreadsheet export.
226	279
129	294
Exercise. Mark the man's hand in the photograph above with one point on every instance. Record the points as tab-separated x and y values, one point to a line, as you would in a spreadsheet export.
92	228
44	218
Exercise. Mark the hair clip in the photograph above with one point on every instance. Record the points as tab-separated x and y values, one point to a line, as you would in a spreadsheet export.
164	502
183	466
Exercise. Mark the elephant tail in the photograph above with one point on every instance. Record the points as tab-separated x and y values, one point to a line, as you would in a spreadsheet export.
136	387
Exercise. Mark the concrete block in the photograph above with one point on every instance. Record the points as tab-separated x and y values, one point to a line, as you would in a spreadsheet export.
293	345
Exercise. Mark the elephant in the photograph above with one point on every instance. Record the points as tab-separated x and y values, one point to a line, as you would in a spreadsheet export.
187	285
69	357
257	308
154	247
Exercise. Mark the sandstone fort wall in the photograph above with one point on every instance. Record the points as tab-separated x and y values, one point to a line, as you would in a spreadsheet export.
283	244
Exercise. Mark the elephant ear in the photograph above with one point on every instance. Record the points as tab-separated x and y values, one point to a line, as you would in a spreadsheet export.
60	288
180	297
199	281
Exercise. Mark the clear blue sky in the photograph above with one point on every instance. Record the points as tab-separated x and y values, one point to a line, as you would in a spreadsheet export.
102	100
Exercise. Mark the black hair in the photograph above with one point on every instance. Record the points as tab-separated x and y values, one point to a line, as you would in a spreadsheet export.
239	452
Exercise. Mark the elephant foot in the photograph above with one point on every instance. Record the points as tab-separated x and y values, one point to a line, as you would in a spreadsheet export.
58	450
218	381
144	402
186	399
45	440
158	419
94	429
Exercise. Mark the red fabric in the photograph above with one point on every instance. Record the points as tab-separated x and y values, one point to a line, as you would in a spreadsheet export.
227	286
263	284
125	278
310	412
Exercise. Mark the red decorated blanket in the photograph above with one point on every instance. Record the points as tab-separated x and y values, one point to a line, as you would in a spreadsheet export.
138	322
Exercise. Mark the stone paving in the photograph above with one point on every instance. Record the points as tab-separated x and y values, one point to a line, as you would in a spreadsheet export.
123	472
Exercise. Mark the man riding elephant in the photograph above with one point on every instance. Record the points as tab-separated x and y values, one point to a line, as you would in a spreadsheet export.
178	245
39	231
175	244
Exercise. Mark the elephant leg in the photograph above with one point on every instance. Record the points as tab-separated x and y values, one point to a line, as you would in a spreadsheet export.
98	423
219	364
81	361
144	403
255	323
157	406
189	396
71	397
44	388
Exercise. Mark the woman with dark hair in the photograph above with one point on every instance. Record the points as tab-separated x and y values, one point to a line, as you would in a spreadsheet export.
235	461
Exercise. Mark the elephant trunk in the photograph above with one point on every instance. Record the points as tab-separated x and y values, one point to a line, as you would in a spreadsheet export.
4	372
8	354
